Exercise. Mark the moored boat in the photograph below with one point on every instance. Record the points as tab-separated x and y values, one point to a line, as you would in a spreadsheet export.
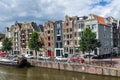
23	63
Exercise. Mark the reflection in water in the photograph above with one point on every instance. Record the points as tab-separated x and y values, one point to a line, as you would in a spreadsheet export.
36	73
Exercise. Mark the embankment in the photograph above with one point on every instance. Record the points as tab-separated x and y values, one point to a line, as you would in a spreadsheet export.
76	67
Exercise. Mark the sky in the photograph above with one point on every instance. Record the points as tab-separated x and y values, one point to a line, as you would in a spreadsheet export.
41	11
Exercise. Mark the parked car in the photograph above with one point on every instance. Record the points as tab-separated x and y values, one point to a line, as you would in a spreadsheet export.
88	56
43	58
74	59
2	54
29	56
97	57
77	59
60	58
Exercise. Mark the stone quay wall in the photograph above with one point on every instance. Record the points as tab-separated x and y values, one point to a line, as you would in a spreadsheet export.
77	67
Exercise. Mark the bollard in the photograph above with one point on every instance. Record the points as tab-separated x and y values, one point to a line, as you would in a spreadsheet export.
116	72
102	72
58	66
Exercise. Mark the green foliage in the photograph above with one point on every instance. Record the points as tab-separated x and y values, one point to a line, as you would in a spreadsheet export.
7	44
88	41
34	42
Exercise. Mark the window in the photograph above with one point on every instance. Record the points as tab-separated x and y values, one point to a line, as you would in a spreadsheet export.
87	26
64	36
71	50
76	49
81	26
56	45
111	35
16	48
58	31
75	34
67	36
111	29
94	27
104	36
70	35
58	38
60	44
49	44
111	43
16	39
104	28
75	42
80	33
30	30
70	29
67	24
71	42
67	42
51	31
67	30
16	33
48	32
49	38
58	25
67	49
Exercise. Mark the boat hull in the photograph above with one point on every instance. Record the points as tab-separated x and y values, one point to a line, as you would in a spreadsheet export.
22	64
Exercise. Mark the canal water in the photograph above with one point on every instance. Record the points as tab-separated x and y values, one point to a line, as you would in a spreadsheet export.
37	73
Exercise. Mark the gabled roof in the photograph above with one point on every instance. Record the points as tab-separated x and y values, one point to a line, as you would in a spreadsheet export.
38	28
100	19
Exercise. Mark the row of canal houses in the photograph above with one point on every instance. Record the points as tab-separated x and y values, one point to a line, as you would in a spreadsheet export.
62	37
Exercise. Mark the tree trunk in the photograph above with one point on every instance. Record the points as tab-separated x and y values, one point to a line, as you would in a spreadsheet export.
6	51
83	52
35	54
89	57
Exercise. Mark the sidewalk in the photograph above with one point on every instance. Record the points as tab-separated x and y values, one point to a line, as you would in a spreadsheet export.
114	62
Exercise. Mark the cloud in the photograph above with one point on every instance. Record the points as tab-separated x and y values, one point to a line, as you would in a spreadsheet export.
44	10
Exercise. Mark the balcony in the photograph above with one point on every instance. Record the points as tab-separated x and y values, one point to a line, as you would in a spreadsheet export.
22	38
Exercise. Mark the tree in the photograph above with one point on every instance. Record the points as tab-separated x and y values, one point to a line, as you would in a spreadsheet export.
7	44
34	42
88	41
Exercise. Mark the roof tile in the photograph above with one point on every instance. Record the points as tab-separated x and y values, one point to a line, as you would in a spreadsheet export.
100	19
